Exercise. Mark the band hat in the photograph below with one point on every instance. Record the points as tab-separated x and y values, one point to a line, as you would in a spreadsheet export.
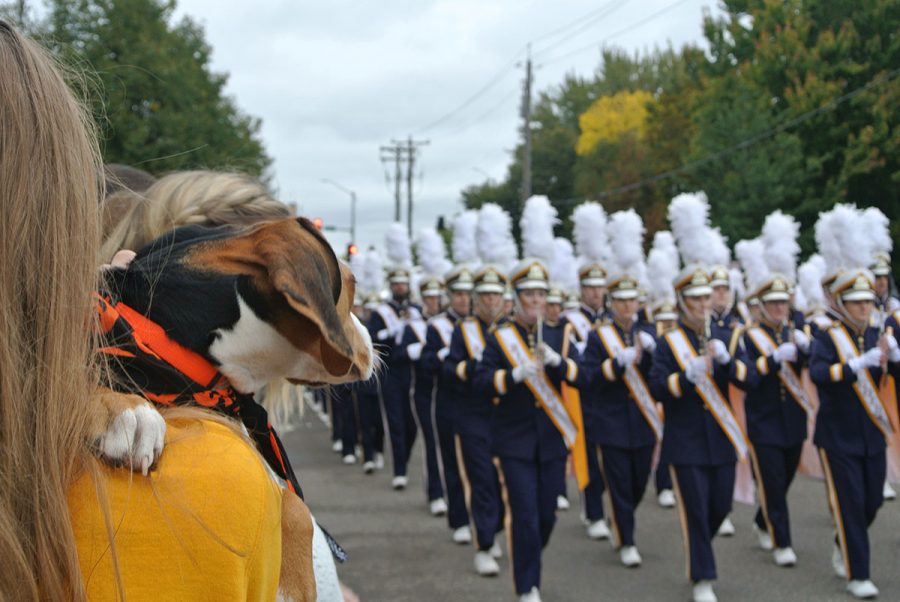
555	295
490	279
460	278
571	301
882	265
508	295
665	309
624	287
719	276
776	288
854	285
692	281
530	273
431	286
398	275
372	301
592	274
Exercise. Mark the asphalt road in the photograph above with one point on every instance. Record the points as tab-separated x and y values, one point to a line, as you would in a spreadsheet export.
398	552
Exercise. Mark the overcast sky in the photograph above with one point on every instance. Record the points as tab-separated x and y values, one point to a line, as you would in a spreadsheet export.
333	81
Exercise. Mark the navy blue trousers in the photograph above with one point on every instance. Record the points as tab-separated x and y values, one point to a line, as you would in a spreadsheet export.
485	505
592	497
626	472
774	469
423	406
855	486
371	427
347	406
529	491
704	500
663	476
457	514
401	424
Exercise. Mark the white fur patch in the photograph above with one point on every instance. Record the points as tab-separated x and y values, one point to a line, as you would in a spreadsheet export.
367	340
135	437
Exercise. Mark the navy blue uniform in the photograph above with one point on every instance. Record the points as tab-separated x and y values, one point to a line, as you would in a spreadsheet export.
701	455
474	412
593	494
776	427
395	384
343	398
445	402
530	450
851	447
371	424
621	435
423	396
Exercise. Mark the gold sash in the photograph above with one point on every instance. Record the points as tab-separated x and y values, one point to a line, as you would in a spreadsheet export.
789	377
473	337
864	385
444	328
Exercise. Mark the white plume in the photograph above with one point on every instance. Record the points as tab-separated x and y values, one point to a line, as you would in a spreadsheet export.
810	276
662	267
432	253
563	268
494	236
736	283
854	241
718	252
827	242
357	264
591	234
779	235
626	244
465	249
878	228
689	219
397	247
751	255
536	224
370	280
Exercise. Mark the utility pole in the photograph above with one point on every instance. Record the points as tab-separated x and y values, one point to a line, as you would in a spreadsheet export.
526	130
394	153
403	152
412	148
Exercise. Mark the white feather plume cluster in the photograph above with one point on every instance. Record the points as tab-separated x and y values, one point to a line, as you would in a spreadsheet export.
397	246
689	218
662	267
877	226
432	253
718	253
494	236
536	225
855	243
779	235
563	269
465	248
827	242
370	278
751	255
591	234
809	276
626	245
736	283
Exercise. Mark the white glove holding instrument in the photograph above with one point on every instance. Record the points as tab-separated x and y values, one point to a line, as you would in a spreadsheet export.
414	351
695	368
627	356
893	349
786	352
869	359
529	369
801	340
443	353
551	357
720	352
647	341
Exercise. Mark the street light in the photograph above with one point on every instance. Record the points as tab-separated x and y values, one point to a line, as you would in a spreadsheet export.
352	205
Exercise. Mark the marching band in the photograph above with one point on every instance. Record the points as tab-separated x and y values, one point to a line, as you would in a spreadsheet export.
522	372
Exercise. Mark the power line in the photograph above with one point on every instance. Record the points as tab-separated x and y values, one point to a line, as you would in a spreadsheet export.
585	26
512	93
589	16
624	30
748	142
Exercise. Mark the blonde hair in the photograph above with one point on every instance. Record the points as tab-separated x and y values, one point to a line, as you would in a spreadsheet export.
190	197
49	239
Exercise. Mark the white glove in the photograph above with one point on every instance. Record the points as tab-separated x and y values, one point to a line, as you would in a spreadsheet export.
647	341
443	353
527	370
869	359
720	352
551	357
397	333
414	351
626	356
477	356
893	349
695	369
786	352
801	340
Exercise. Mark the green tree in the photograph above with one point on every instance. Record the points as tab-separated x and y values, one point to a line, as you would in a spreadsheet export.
156	100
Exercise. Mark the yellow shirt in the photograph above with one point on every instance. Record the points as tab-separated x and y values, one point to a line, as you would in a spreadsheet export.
211	530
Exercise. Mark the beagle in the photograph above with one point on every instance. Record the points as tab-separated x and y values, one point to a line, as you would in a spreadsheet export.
250	304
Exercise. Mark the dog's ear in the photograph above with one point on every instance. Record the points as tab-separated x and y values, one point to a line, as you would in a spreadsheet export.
303	268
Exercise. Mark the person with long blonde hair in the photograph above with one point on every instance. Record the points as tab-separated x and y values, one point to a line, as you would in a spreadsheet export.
71	528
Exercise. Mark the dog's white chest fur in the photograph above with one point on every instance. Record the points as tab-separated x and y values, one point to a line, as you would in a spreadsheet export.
253	353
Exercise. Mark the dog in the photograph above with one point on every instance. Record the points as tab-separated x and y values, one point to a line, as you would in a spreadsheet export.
258	304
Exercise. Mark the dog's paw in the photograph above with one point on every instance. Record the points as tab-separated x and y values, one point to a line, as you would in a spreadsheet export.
134	438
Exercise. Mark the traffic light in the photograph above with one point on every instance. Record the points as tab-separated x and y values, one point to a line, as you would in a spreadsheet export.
352	250
319	223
